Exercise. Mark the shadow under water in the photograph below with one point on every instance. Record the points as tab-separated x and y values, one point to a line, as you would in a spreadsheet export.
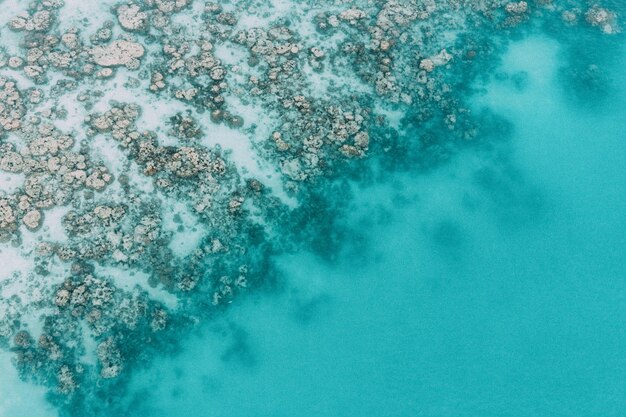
475	276
489	286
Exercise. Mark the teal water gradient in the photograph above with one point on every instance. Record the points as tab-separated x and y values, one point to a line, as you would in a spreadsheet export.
494	285
491	286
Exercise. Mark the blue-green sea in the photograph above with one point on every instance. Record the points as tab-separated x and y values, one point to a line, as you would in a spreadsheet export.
491	283
494	285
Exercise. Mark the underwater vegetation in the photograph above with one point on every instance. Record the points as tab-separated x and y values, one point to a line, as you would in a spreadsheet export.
159	159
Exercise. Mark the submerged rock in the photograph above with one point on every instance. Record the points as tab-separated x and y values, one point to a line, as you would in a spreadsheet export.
168	190
118	53
132	18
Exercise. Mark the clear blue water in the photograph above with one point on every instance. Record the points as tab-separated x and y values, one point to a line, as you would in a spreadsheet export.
494	285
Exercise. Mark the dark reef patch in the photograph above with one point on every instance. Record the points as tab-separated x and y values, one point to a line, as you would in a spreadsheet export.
376	89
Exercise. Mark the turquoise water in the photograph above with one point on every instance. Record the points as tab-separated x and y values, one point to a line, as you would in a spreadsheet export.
485	281
491	286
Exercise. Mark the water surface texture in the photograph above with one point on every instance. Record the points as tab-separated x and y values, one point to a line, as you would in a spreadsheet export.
292	208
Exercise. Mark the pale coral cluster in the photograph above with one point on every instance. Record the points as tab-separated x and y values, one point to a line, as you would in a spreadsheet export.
310	91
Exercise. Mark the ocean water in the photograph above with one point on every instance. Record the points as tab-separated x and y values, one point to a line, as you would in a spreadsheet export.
489	281
491	286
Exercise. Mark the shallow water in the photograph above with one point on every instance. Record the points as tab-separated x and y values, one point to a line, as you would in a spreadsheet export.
491	284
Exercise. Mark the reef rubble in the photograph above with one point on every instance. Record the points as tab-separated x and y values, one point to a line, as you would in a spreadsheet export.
109	123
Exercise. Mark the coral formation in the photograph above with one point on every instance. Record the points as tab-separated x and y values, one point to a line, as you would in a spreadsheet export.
111	122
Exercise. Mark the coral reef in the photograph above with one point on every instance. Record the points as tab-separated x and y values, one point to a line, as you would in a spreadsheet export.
157	102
